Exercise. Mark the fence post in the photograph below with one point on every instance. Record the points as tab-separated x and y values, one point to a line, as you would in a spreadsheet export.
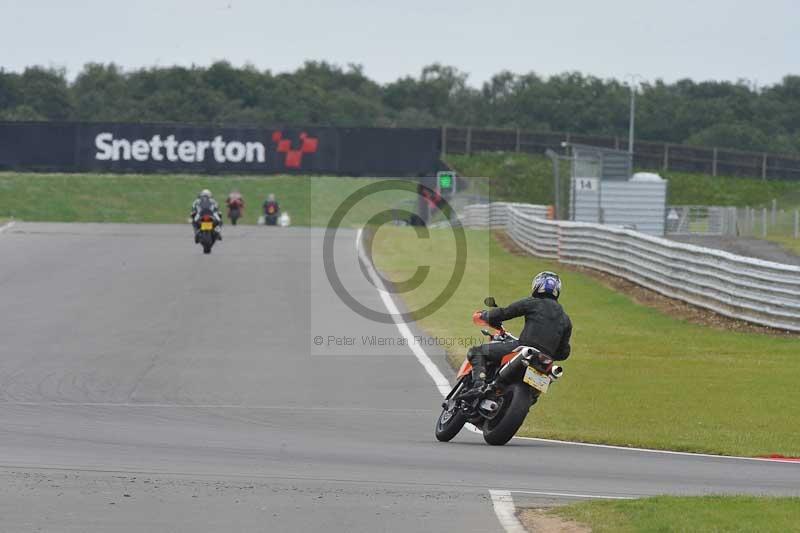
666	156
774	211
714	163
797	223
444	141
517	146
733	219
764	166
616	142
764	222
469	140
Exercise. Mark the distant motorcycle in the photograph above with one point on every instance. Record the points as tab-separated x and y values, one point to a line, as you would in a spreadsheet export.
513	386
235	211
272	213
208	229
283	220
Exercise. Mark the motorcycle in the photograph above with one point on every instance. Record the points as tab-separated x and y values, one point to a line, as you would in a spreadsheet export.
208	230
234	211
513	386
271	214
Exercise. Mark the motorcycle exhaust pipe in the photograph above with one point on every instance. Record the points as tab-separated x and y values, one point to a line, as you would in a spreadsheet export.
556	372
515	365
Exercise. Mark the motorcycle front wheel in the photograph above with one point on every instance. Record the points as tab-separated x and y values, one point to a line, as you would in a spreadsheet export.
450	422
516	403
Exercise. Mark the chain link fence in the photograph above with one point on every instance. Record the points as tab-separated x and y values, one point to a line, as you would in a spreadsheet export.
760	222
647	154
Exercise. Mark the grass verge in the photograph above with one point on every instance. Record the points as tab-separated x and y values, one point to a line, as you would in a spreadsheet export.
637	377
167	198
700	514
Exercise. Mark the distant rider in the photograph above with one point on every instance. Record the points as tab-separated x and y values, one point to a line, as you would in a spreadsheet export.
205	201
271	210
235	204
547	327
235	200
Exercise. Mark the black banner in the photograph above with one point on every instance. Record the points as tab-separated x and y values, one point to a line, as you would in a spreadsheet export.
117	147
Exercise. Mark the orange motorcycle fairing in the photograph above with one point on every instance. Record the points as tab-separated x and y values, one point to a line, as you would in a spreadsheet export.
466	366
507	357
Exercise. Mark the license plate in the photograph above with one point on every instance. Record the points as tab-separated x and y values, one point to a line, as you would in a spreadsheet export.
206	226
536	379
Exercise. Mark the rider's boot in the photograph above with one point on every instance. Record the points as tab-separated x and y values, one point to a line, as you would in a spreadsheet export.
478	361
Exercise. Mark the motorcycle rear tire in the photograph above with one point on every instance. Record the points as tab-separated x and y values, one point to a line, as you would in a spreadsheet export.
206	247
512	416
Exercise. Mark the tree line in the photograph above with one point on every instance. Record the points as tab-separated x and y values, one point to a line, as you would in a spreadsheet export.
709	113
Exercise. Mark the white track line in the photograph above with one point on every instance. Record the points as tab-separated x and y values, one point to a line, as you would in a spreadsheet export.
650	450
7	225
572	495
444	385
504	508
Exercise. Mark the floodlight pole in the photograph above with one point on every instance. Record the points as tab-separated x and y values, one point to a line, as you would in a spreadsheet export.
632	116
632	120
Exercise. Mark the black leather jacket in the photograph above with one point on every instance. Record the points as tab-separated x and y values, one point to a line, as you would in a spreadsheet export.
547	326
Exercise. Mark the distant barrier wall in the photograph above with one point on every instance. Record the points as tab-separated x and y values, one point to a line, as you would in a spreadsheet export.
118	147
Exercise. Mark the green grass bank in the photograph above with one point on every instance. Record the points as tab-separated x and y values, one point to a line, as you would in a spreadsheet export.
637	377
168	198
697	514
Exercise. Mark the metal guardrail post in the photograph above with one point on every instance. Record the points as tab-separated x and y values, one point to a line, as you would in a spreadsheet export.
516	147
764	166
444	140
666	156
764	222
469	140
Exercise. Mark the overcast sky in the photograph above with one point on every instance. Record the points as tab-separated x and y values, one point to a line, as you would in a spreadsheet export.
712	39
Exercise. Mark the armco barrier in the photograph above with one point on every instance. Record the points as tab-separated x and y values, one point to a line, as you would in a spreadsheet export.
495	214
748	289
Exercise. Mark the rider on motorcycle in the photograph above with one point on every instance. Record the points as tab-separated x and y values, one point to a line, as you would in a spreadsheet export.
235	199
271	210
547	327
235	203
203	201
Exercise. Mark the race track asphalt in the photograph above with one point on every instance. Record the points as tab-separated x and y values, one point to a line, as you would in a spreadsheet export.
146	387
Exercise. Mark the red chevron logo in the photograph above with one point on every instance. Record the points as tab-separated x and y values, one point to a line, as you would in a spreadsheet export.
294	156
